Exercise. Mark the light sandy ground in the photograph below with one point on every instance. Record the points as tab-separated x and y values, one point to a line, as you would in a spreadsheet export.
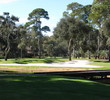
75	63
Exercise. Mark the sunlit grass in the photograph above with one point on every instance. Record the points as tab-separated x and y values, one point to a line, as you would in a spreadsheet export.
104	64
51	88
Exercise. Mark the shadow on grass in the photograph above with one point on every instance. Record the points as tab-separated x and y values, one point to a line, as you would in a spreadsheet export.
51	88
25	61
48	61
45	60
52	60
102	61
3	72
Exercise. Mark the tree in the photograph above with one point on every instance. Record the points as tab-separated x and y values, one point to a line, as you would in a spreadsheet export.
49	45
22	39
100	12
72	31
35	23
81	13
106	28
54	47
78	11
8	26
100	15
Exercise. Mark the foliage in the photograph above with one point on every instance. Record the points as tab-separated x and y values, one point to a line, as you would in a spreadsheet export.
35	25
7	32
100	17
70	29
100	11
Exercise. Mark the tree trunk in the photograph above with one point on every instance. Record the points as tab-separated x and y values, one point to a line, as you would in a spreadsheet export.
98	47
7	50
73	53
70	49
109	54
21	53
39	47
89	53
6	53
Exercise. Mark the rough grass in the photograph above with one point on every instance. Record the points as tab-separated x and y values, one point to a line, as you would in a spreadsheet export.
51	88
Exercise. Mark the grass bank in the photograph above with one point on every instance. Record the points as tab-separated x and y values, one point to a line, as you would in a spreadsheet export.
51	88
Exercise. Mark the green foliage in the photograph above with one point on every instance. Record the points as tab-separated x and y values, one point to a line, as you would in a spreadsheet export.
108	42
106	28
8	32
38	13
78	11
100	11
73	31
34	24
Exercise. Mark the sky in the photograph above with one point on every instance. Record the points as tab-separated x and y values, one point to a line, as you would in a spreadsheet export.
22	8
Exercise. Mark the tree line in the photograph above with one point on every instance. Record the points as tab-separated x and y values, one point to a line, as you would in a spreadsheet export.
86	29
83	31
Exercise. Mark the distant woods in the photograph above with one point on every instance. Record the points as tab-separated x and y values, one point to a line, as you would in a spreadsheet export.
83	31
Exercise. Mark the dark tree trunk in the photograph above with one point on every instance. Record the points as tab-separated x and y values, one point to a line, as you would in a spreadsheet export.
98	46
109	54
7	50
21	53
6	53
70	49
39	47
89	54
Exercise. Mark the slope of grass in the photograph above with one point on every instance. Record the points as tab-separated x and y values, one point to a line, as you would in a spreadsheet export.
51	88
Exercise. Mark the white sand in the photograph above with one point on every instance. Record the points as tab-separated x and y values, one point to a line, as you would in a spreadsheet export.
75	63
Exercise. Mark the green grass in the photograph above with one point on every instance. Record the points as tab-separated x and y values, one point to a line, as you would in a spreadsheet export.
34	60
103	63
51	88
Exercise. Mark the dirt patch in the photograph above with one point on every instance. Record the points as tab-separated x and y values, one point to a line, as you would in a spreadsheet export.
18	69
57	69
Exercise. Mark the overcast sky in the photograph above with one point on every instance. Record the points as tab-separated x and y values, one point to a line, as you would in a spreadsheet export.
55	8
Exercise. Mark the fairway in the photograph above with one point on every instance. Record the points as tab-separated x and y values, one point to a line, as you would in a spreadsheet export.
51	88
55	50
